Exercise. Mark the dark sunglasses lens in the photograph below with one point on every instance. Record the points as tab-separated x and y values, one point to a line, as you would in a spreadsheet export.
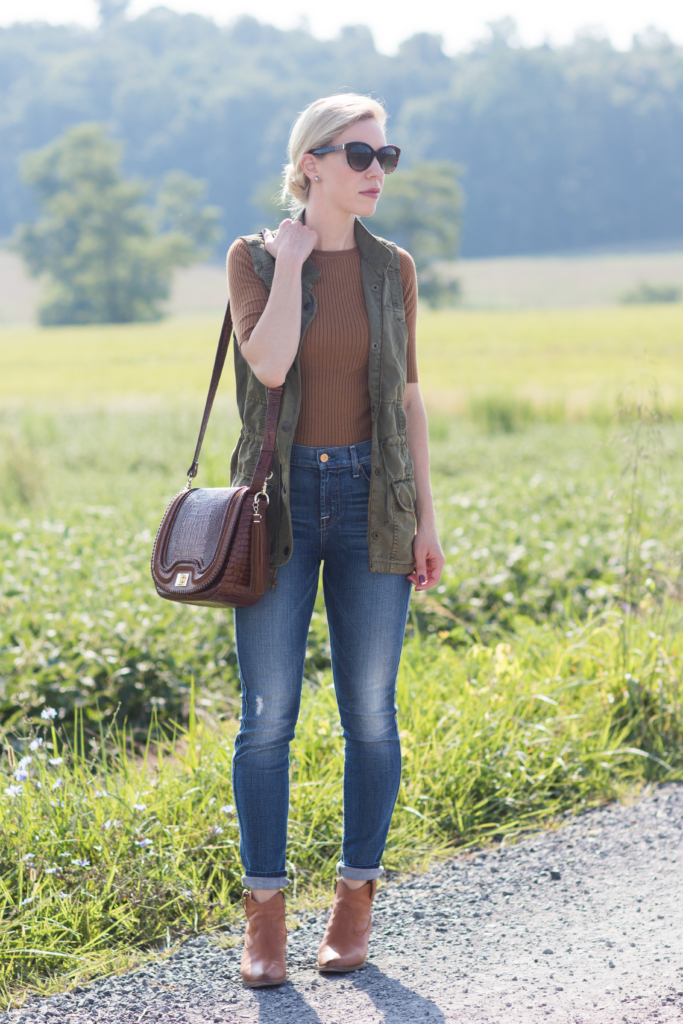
359	156
388	159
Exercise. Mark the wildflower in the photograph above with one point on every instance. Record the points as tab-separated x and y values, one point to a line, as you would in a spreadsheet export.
139	807
217	829
25	762
56	784
51	871
29	856
142	843
36	744
187	893
81	863
228	809
20	774
100	793
39	784
48	713
63	895
111	823
14	790
55	760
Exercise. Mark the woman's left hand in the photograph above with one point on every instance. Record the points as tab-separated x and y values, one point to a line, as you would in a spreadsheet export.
429	558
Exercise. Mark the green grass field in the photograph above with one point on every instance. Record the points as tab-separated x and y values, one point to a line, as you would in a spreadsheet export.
543	676
568	360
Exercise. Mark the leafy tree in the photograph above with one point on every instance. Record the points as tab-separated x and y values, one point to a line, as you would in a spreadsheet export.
112	11
179	209
266	199
108	258
564	147
420	210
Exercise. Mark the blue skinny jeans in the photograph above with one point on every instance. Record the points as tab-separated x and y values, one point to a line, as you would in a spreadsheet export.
366	613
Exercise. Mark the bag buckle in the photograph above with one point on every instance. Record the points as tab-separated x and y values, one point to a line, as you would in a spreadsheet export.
261	494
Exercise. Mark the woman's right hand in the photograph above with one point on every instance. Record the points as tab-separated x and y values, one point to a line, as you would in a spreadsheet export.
294	241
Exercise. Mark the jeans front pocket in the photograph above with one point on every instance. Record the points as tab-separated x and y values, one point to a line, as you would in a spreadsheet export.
364	468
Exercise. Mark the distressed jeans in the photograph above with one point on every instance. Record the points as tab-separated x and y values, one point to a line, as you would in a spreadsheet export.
366	614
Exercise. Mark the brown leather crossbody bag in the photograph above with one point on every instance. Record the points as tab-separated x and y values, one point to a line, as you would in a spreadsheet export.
212	547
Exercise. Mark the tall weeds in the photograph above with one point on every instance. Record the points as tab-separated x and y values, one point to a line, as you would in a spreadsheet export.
22	476
109	848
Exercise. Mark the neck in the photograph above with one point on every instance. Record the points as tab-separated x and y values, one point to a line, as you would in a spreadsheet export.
334	228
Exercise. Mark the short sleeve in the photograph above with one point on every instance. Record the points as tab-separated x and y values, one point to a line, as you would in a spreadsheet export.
248	294
409	283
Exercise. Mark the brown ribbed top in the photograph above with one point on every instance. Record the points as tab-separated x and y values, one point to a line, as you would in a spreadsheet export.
334	362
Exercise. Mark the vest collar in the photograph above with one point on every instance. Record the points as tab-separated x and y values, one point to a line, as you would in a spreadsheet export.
372	249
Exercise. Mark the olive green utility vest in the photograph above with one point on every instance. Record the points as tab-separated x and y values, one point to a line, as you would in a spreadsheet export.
391	506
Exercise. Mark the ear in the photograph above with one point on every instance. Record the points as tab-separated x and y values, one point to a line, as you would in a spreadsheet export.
309	165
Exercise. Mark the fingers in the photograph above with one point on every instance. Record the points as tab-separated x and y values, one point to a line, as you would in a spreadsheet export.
420	576
293	240
428	568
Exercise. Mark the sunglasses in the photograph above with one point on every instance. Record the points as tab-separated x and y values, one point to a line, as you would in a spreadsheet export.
359	155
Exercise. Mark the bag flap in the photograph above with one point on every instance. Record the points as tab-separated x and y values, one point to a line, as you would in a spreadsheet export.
195	537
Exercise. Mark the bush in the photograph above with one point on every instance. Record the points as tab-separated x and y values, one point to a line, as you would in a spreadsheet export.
644	293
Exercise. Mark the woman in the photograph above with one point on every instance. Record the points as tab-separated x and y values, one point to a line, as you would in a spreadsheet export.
328	310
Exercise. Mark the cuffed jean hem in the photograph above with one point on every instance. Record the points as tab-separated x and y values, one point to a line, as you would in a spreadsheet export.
359	874
254	882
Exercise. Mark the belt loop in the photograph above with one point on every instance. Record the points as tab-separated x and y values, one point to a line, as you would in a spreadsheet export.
354	459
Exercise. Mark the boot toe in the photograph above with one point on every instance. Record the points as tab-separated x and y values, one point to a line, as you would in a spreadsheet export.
260	975
330	960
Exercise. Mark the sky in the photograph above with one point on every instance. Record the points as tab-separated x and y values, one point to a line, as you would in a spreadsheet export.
391	21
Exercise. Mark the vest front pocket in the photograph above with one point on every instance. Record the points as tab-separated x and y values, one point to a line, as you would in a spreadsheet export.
405	495
403	515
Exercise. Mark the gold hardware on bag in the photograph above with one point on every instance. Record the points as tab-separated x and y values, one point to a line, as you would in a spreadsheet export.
233	559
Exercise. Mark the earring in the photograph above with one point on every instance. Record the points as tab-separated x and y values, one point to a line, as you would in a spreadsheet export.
317	178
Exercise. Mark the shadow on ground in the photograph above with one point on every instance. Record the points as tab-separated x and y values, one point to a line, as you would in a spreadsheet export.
390	998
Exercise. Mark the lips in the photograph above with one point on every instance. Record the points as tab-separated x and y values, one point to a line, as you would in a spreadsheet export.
372	193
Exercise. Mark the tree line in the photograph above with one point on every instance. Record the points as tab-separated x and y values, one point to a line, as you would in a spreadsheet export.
565	147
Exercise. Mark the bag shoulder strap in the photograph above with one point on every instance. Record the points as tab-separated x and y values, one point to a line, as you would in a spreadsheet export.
273	411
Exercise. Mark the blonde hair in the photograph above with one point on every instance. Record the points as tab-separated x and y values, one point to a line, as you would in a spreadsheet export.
317	126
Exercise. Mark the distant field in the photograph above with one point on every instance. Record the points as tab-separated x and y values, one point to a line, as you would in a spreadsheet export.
513	282
533	282
577	360
574	360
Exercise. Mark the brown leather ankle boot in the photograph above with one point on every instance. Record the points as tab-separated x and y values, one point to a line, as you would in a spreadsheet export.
345	942
265	942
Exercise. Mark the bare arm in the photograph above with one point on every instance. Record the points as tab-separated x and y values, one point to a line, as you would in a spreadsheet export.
274	341
429	558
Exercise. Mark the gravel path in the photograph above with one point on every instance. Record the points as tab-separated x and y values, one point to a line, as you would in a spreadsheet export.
582	924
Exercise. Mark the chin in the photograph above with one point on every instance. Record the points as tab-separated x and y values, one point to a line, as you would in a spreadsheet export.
366	207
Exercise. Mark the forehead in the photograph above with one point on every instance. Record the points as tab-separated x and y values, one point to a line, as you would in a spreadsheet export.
362	131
